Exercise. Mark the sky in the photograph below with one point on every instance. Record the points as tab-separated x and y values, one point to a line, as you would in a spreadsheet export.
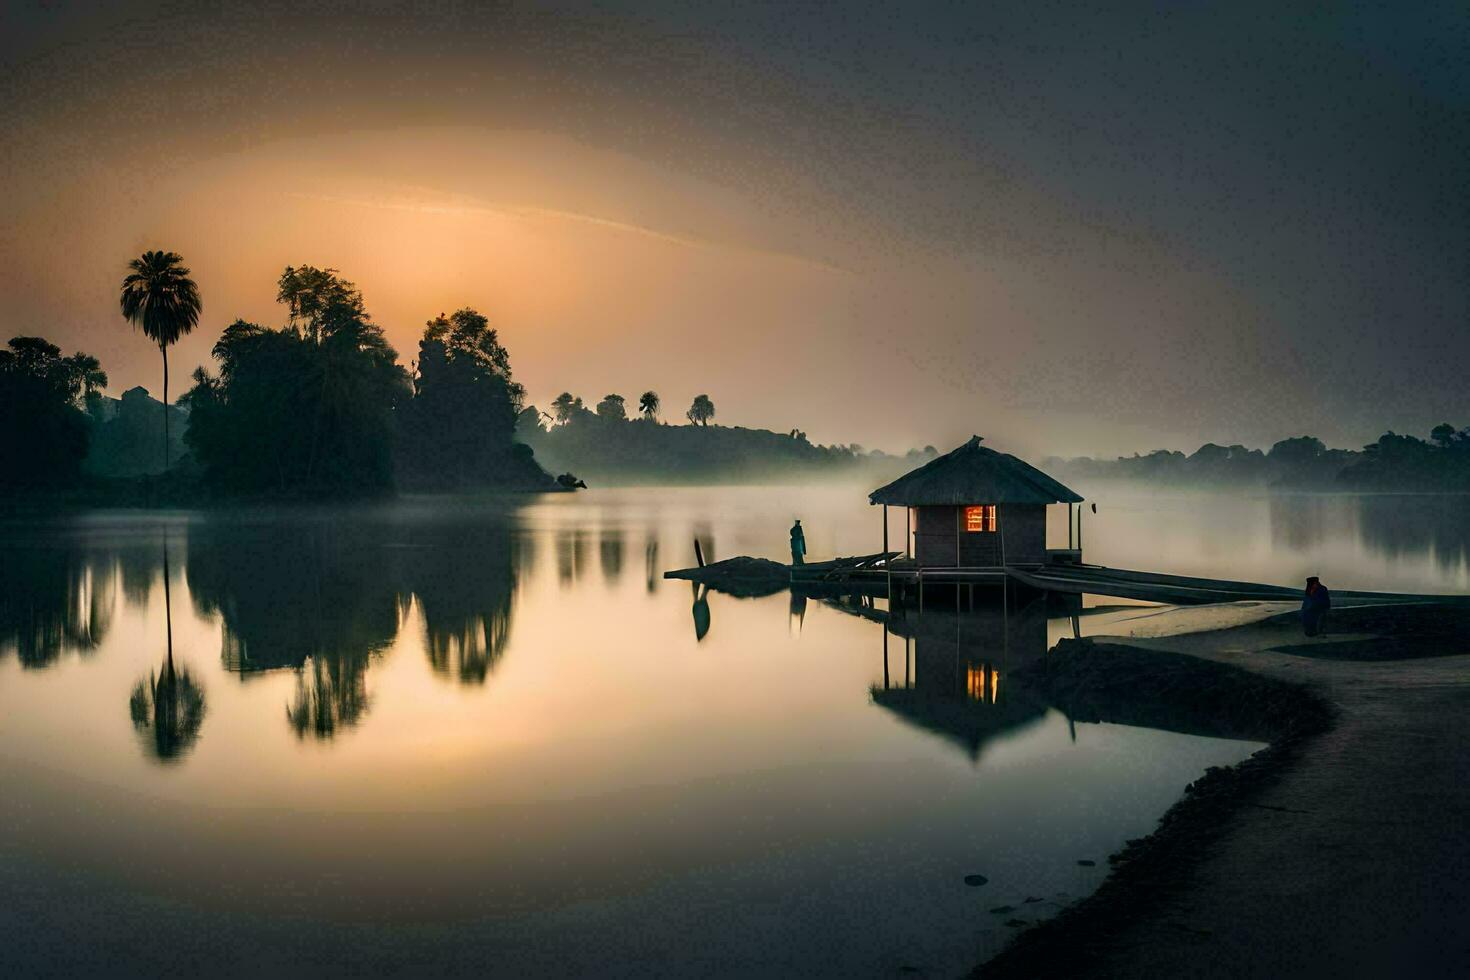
1069	228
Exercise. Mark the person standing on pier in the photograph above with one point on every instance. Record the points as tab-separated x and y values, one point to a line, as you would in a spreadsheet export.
1315	603
798	544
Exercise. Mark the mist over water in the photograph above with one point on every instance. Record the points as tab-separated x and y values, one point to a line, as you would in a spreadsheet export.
493	722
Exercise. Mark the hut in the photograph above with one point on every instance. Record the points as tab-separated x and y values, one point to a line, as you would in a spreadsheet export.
977	508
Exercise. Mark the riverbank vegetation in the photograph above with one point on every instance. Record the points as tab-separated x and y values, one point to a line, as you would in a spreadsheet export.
606	446
1392	463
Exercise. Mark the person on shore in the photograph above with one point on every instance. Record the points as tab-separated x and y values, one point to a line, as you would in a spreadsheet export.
1315	603
798	544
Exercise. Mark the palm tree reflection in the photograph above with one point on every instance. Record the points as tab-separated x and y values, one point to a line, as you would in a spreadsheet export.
168	708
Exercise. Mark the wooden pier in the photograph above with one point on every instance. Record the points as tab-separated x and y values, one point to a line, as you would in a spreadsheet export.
889	574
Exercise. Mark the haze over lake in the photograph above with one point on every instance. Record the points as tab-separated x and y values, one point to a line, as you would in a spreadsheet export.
495	721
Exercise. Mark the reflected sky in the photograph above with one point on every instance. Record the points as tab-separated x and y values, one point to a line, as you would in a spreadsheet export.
484	722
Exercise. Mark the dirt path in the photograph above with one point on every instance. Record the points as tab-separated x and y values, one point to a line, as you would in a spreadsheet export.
1353	861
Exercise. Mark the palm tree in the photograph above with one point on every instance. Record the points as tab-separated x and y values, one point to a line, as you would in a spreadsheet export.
160	299
648	405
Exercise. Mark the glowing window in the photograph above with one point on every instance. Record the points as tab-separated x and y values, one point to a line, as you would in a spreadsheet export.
981	518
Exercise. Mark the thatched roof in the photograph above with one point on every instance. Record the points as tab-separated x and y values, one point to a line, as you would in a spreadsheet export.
973	474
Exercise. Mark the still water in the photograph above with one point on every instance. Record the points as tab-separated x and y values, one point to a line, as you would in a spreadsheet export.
487	737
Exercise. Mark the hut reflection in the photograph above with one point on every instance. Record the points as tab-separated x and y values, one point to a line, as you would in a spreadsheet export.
955	660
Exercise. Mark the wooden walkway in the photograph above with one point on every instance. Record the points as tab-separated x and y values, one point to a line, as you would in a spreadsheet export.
882	572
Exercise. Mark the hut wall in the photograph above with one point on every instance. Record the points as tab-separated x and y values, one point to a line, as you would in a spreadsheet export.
1023	527
1025	532
934	532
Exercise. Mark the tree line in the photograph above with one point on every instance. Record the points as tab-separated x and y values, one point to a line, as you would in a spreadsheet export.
606	444
319	405
1393	462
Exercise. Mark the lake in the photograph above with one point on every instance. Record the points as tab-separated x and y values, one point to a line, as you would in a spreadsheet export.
447	737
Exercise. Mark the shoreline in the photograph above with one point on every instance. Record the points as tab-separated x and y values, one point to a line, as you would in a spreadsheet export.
1239	875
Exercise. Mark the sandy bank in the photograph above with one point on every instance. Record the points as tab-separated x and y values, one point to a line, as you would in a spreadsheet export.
1341	850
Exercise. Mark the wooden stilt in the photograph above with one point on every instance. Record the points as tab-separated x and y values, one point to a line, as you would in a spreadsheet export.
885	656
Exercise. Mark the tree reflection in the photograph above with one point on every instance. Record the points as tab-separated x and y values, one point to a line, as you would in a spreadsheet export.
610	554
53	599
168	708
464	576
571	555
330	693
650	565
314	596
1396	526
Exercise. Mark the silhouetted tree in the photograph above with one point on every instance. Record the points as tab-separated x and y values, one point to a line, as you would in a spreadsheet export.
701	411
44	433
310	406
160	299
528	422
565	406
460	425
648	405
612	409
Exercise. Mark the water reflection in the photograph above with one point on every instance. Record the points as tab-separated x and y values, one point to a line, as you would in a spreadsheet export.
385	628
701	610
168	708
1393	526
464	577
653	573
315	598
55	600
954	663
571	555
610	554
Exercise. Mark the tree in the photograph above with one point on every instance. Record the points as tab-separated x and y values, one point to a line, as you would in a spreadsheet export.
648	405
45	433
460	426
701	411
1443	434
565	406
310	406
319	300
160	299
612	409
528	422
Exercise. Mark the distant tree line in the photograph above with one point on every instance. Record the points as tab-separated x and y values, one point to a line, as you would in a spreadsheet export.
605	444
1392	463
